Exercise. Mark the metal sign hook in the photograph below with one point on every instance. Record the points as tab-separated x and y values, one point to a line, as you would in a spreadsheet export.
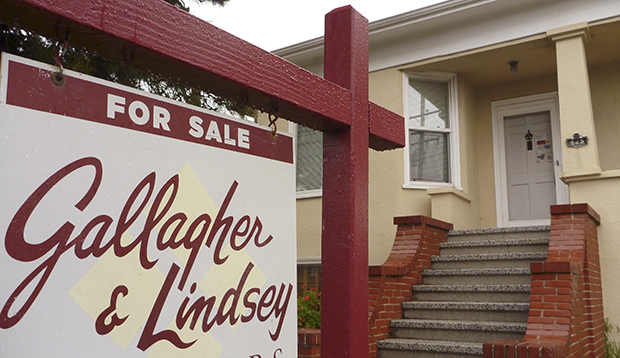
272	124
59	78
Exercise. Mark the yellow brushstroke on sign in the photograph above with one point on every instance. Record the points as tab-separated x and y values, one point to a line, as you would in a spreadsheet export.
92	292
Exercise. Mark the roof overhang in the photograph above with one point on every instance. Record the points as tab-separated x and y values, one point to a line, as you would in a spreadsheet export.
464	27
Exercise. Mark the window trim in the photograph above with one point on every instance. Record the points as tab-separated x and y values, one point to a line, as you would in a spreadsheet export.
307	194
308	261
453	136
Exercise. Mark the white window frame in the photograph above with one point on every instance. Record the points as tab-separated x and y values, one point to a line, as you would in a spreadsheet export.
454	163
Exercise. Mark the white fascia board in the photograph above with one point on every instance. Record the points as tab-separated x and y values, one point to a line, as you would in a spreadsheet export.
458	25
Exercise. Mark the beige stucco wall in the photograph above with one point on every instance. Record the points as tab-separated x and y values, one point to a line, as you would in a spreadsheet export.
468	213
605	89
603	195
486	167
309	228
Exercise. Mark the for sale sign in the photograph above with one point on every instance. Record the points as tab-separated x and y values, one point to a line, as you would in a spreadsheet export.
136	226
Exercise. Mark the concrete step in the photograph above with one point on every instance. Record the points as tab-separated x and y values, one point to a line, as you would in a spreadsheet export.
530	232
503	246
472	293
489	276
478	290
406	348
456	331
480	261
467	311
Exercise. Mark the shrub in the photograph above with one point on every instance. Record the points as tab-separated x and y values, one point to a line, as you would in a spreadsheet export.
309	309
612	348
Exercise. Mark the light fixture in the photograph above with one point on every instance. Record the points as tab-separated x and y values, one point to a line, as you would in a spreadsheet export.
513	66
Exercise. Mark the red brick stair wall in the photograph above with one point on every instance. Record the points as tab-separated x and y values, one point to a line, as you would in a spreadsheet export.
566	302
417	239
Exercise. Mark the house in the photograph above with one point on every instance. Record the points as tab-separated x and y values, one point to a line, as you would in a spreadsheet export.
509	106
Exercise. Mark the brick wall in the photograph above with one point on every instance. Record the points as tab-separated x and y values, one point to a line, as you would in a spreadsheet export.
566	302
308	343
417	239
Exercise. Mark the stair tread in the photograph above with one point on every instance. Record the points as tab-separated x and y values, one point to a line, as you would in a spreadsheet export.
484	271
470	288
486	257
487	306
499	242
431	346
499	230
459	325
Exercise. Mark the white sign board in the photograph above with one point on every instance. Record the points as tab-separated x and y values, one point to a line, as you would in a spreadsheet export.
137	226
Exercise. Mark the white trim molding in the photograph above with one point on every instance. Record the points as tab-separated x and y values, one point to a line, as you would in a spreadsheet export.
306	194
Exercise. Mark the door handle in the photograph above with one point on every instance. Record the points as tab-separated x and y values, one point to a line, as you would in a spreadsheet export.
528	138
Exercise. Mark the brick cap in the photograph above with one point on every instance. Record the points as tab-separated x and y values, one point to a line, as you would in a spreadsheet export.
582	208
390	270
554	267
421	219
308	336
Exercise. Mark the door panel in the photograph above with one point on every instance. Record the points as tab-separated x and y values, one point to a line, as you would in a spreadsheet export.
529	168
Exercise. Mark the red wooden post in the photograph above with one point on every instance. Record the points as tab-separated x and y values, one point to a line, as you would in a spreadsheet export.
345	193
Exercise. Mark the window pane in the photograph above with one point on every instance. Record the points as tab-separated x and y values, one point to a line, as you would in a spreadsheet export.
308	277
428	104
309	159
428	154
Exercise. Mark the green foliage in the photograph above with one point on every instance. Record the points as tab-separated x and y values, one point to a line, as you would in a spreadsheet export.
29	45
612	348
309	309
181	4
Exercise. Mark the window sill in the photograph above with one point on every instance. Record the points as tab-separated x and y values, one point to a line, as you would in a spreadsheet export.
306	194
308	261
428	185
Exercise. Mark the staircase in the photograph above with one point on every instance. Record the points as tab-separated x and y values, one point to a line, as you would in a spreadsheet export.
477	291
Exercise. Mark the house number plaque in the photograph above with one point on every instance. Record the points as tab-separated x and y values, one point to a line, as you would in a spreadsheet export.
576	141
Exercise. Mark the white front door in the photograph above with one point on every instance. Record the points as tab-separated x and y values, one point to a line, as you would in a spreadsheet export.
527	160
529	166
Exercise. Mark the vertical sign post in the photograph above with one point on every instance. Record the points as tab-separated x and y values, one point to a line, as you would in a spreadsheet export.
345	193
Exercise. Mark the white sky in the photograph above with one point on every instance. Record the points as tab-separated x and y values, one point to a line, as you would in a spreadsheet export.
273	24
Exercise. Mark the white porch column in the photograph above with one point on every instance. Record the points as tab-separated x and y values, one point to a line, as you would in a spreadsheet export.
576	114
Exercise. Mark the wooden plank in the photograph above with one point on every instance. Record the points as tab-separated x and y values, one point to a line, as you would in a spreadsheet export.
153	35
386	128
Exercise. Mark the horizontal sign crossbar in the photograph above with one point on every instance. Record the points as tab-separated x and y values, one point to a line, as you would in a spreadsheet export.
151	35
